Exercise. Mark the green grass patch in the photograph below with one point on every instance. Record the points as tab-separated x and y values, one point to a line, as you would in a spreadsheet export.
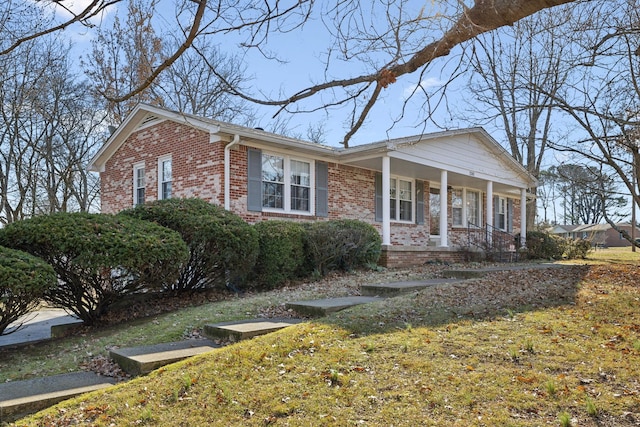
564	364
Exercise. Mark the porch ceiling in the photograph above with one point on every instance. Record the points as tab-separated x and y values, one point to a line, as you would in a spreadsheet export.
413	170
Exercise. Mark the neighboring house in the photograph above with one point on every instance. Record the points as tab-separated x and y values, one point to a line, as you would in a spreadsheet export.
396	185
603	234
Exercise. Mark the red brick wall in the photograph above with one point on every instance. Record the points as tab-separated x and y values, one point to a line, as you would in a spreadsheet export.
198	171
198	166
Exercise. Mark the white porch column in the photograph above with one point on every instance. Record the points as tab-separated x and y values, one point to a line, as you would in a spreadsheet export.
386	203
444	207
489	233
523	217
490	203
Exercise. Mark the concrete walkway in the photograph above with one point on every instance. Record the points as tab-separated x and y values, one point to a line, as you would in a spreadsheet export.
37	327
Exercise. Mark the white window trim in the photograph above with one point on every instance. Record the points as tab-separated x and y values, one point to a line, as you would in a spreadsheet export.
506	212
287	185
465	222
161	160
397	199
136	167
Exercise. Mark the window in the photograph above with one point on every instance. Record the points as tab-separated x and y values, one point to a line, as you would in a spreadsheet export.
434	211
473	208
456	207
164	178
401	199
300	185
286	183
272	181
466	207
139	184
501	214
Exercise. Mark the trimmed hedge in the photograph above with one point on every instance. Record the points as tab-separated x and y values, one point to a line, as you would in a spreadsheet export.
541	245
24	279
282	252
222	247
99	259
342	244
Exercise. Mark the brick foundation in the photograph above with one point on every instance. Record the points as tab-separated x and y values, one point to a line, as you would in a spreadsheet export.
409	256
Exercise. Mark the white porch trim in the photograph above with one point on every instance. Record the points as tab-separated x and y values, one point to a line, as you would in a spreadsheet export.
444	204
523	217
386	202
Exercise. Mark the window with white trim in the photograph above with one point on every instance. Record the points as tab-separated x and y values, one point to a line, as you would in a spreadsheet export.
501	214
466	207
401	200
456	206
139	184
473	207
165	177
286	183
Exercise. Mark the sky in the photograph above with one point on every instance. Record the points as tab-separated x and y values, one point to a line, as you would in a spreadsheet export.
304	51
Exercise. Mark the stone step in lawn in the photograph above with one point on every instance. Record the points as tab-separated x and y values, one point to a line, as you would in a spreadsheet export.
244	329
397	288
144	359
21	398
322	307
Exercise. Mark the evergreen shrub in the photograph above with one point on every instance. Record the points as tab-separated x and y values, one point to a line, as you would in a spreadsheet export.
342	244
98	259
222	247
24	279
281	256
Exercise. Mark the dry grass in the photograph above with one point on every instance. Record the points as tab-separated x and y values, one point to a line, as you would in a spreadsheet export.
570	357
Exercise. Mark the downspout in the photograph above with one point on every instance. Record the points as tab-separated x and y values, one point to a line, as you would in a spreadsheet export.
227	171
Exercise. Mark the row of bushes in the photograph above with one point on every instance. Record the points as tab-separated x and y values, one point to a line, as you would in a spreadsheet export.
542	245
85	263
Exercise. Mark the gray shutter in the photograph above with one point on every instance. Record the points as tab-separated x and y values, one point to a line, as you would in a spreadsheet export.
378	198
419	202
322	189
254	182
510	215
496	211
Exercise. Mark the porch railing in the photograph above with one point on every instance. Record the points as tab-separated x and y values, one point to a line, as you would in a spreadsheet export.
498	245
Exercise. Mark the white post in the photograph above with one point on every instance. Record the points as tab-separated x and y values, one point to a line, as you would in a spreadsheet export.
490	211
386	203
444	207
523	217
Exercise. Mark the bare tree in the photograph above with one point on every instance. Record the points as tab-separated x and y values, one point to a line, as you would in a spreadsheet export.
515	73
604	99
403	42
48	129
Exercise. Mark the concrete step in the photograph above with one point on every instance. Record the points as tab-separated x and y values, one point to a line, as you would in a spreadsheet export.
322	307
38	326
144	359
20	398
398	288
244	329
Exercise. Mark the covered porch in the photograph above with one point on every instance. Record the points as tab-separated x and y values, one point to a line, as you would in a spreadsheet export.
435	193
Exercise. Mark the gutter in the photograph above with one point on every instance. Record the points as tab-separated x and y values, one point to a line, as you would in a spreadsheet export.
227	170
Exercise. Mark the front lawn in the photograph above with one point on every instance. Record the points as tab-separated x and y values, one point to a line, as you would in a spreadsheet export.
522	348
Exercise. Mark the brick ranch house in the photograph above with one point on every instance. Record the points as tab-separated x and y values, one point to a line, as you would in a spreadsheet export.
395	185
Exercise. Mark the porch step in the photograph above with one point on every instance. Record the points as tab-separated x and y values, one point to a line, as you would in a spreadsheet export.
322	307
397	288
21	398
247	328
144	359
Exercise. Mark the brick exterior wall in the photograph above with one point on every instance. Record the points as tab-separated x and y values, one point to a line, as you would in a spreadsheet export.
198	166
198	171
